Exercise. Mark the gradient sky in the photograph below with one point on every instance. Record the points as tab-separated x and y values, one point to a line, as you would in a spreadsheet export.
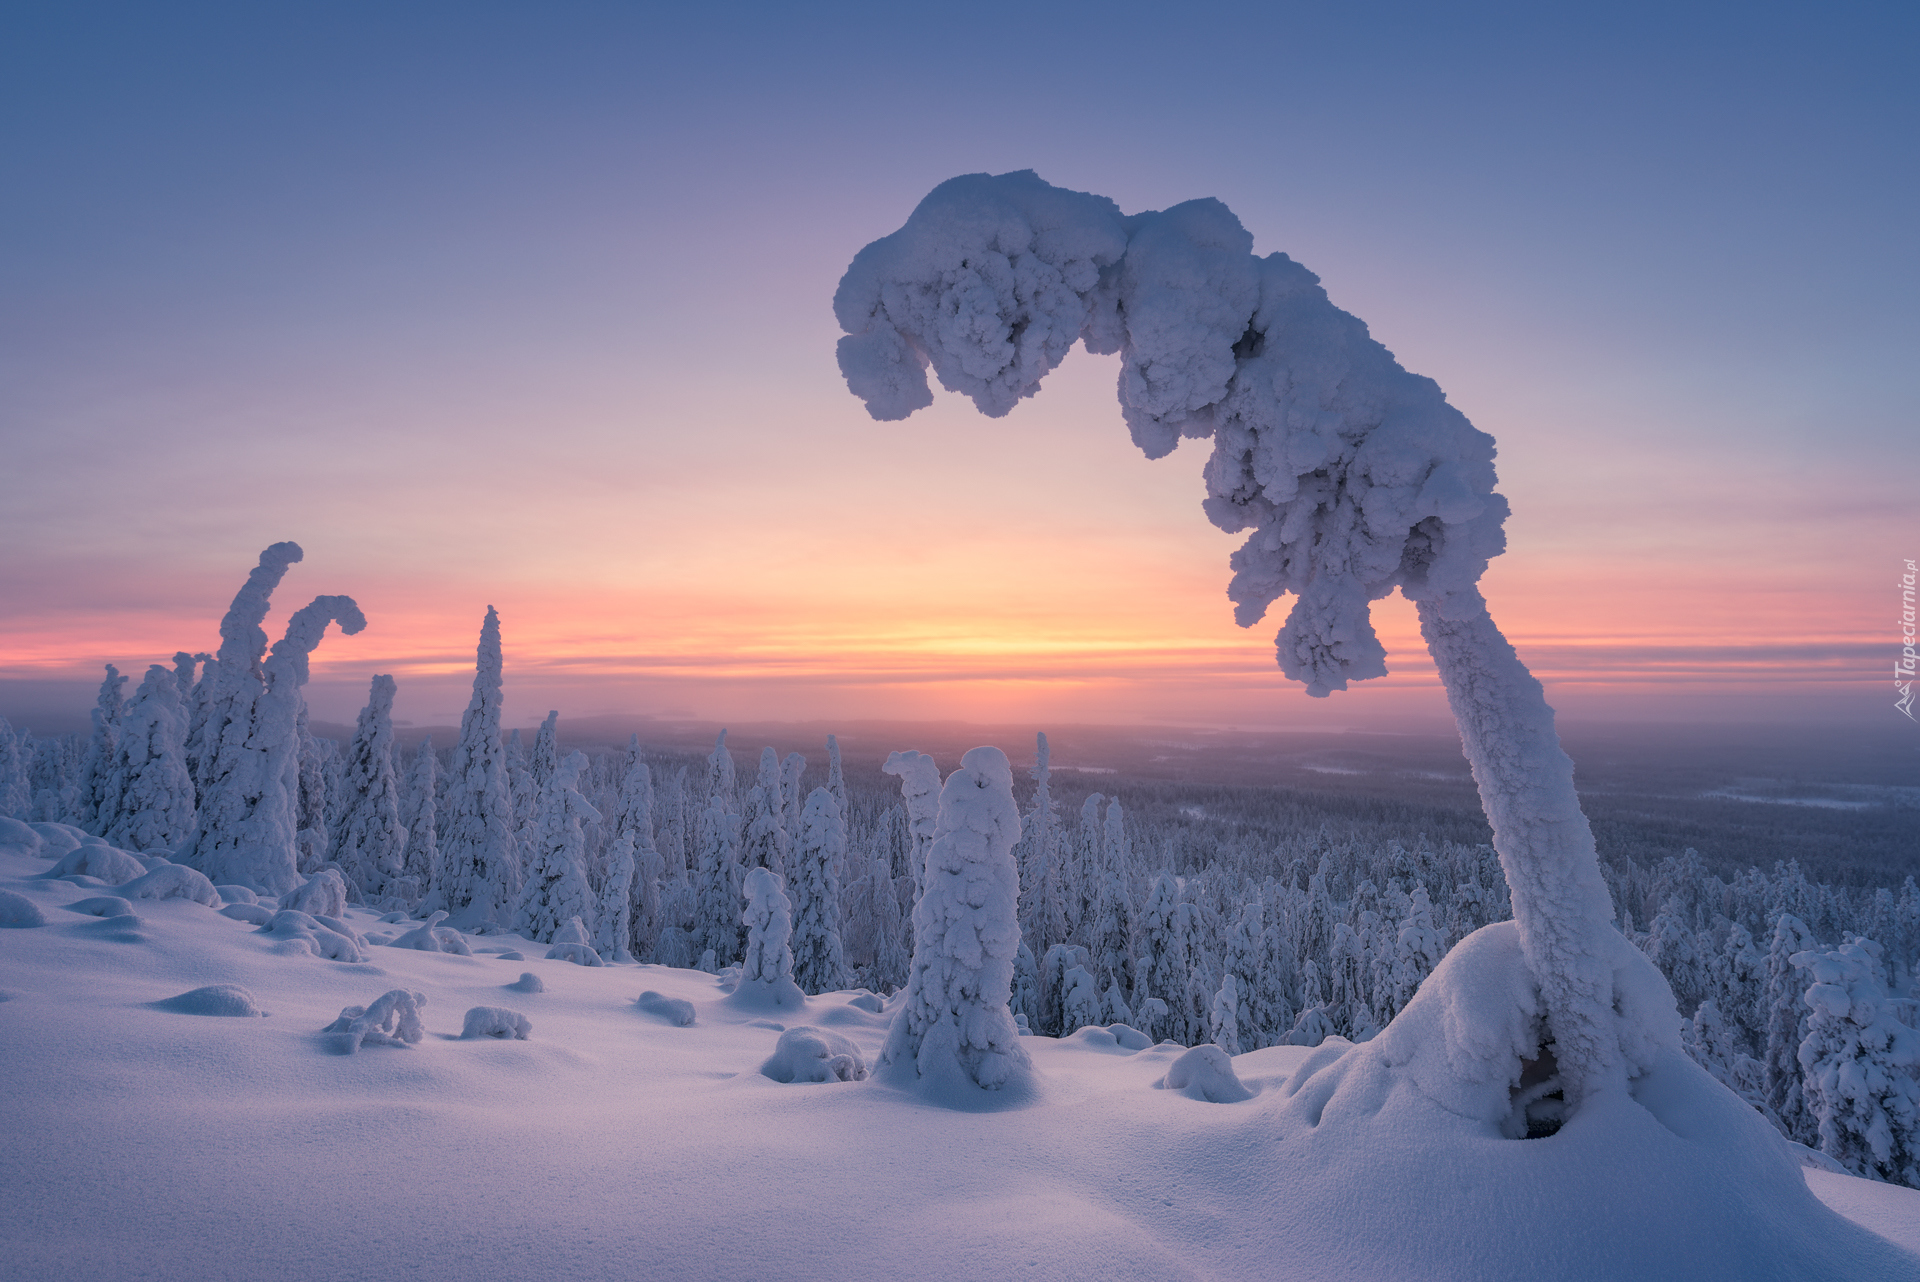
529	305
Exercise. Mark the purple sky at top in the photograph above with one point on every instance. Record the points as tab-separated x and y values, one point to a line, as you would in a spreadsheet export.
528	304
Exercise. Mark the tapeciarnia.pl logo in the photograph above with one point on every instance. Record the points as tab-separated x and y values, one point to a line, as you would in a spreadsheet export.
1904	665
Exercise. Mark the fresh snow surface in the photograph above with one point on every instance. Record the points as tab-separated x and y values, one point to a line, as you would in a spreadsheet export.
619	1142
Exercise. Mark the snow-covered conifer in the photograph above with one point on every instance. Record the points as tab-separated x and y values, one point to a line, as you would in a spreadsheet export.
720	773
556	887
369	841
96	804
632	818
316	788
545	757
766	971
954	1034
1671	945
613	919
1223	1023
420	817
717	915
152	793
1416	951
819	961
837	787
764	835
1166	944
1787	1016
1043	913
480	868
920	787
793	769
16	774
1859	1064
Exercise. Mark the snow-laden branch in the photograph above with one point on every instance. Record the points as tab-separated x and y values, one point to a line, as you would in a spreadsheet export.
1353	477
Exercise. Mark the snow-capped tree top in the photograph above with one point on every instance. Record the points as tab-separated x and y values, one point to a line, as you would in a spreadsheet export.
242	640
307	626
1355	476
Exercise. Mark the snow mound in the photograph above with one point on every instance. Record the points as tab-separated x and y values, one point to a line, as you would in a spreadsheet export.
1205	1073
572	944
814	1055
324	895
57	839
113	866
102	906
173	881
527	983
431	937
868	1002
496	1021
18	910
1420	1125
1123	1037
214	999
392	1020
237	894
18	836
252	914
674	1010
303	933
510	955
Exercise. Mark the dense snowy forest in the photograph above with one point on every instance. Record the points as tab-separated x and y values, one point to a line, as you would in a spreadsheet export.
649	855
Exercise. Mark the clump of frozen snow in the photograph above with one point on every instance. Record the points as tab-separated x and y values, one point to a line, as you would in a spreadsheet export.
102	906
172	881
214	999
495	1021
571	943
1205	1073
107	863
56	838
674	1010
323	895
527	983
808	1054
18	910
252	914
237	894
431	937
303	933
392	1020
18	837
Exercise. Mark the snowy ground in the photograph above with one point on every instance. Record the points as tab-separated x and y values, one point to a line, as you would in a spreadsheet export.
142	1143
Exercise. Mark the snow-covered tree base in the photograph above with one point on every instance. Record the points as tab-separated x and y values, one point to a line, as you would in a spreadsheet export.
1426	1125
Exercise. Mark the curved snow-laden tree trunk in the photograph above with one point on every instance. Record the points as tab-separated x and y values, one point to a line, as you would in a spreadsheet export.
1353	477
1560	902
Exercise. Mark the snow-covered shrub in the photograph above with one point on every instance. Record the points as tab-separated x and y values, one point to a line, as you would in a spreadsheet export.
102	906
1860	1062
106	863
172	881
808	1054
674	1010
954	1037
297	932
527	983
19	911
572	944
1205	1073
766	976
323	895
495	1021
392	1020
215	999
431	937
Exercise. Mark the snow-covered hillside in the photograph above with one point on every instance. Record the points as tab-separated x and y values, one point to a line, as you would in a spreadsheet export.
615	1141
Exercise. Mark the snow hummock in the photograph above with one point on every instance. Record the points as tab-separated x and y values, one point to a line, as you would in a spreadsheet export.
19	911
1206	1073
497	1022
809	1054
214	999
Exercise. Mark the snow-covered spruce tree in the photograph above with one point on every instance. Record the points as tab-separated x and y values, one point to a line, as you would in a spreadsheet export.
556	888
545	757
1859	1064
250	786
631	817
1354	476
1043	914
16	775
480	871
152	791
819	961
369	841
837	788
1223	1023
720	773
184	666
318	784
920	789
1786	1027
954	1038
96	806
718	882
764	834
613	918
420	817
766	970
793	769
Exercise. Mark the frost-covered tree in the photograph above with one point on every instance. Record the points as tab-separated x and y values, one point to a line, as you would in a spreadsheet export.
96	804
370	842
1223	1023
250	785
720	773
1859	1064
1043	912
920	788
556	887
819	959
1355	477
480	870
1787	1015
766	970
955	1036
545	757
762	821
420	817
837	788
721	874
1165	934
1416	951
793	769
631	818
613	918
151	791
16	773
